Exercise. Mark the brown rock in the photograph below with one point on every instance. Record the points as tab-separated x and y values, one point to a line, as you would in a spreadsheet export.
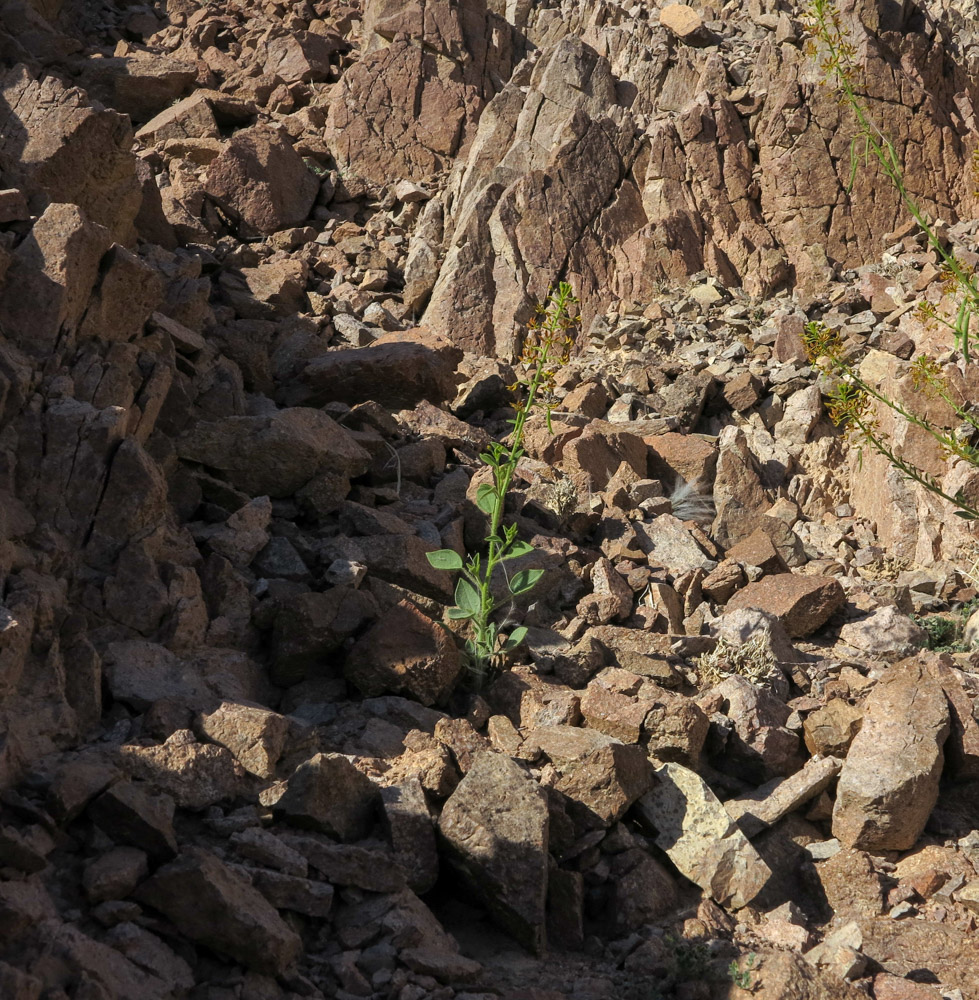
129	813
889	782
327	793
597	773
56	146
195	775
612	597
50	278
405	652
495	832
802	603
262	181
278	454
191	118
644	891
757	550
598	452
214	907
115	874
832	728
255	735
888	987
962	747
775	799
307	627
686	457
743	391
397	371
685	23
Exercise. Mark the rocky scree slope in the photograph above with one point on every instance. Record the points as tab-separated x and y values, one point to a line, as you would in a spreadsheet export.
238	754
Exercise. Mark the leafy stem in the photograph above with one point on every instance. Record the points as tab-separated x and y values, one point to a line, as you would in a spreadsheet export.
546	347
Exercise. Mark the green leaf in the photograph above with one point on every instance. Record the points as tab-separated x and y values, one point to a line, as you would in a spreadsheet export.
517	636
525	580
457	614
519	548
486	498
965	515
467	596
445	559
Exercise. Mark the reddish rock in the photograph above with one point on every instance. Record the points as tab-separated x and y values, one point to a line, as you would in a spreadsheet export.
262	181
58	147
757	550
397	371
802	603
673	457
889	782
598	452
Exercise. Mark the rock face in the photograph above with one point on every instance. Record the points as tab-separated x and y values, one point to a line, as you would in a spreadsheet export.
495	827
889	782
244	390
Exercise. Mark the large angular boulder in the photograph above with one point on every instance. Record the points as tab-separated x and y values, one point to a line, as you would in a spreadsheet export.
262	181
494	831
55	147
50	279
217	908
802	603
889	782
600	776
278	454
397	371
702	840
405	652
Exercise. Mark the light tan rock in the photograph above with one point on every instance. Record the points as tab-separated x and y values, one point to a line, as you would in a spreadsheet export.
702	840
780	796
889	782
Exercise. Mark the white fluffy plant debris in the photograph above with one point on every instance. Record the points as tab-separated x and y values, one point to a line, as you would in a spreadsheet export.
688	503
752	658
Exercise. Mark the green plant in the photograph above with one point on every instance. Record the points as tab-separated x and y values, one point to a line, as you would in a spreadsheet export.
851	399
741	976
945	633
546	347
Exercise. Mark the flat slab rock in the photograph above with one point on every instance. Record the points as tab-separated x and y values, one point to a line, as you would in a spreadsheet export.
889	782
802	603
702	840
